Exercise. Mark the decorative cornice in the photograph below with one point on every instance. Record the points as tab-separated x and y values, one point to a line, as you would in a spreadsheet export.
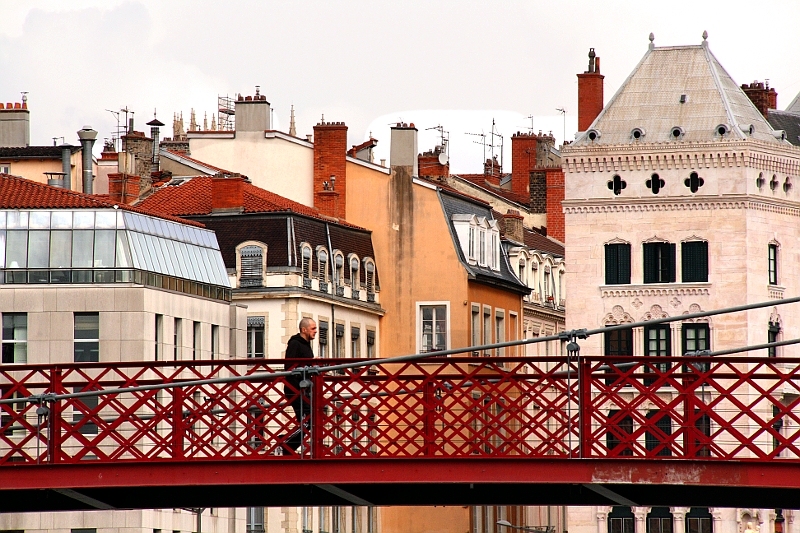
660	289
613	205
706	154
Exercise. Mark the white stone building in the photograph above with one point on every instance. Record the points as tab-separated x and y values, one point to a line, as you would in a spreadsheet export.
680	197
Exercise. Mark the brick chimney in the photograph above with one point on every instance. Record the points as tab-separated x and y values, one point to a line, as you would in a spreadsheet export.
330	163
763	96
123	188
590	93
523	161
227	195
430	165
554	178
512	226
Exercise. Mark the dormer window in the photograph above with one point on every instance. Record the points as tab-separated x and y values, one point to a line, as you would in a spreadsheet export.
370	270
676	133
637	134
479	238
354	273
338	273
306	265
251	271
522	273
322	265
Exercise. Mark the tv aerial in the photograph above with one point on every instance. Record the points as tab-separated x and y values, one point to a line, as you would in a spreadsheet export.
444	137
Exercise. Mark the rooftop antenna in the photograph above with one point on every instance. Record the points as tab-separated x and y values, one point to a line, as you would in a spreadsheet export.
482	141
115	137
444	139
530	129
563	112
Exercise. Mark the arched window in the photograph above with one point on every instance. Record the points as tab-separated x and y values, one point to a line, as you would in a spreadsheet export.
370	277
252	266
522	274
322	265
354	273
306	262
338	270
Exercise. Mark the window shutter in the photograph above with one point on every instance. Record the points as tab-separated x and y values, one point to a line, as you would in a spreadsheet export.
670	248
251	258
694	261
323	332
650	263
624	263
612	264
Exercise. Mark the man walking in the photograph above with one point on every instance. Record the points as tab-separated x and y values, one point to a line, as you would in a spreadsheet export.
299	347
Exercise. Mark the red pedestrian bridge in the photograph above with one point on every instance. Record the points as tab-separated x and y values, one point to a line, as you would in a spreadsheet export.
714	430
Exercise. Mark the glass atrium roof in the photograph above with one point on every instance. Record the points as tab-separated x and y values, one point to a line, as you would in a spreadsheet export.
109	238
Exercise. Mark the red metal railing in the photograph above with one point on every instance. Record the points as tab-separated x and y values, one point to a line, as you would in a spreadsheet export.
712	408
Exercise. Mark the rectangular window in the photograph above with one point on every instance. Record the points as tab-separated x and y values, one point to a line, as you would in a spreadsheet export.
618	264
657	344
159	336
471	243
340	348
255	336
659	262
617	342
620	525
255	520
355	342
476	327
773	332
657	437
323	339
15	338
196	342
773	264
659	524
214	341
371	343
500	330
618	436
702	435
487	328
694	261
482	243
87	337
695	338
513	333
177	339
433	328
698	524
81	406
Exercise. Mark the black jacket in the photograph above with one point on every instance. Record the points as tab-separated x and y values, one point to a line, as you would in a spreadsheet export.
296	348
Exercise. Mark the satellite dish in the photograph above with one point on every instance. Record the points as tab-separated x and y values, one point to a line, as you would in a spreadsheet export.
443	158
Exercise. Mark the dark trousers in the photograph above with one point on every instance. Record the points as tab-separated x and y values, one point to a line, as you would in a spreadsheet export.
302	413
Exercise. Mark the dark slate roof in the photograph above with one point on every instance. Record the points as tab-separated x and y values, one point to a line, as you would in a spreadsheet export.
284	234
505	278
479	181
787	121
34	152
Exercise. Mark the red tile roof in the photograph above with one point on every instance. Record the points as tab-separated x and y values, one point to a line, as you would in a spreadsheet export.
192	197
20	193
537	241
479	180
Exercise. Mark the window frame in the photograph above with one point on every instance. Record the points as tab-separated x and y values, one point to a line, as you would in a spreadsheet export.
614	273
420	325
772	263
691	272
658	263
251	266
11	345
94	341
256	324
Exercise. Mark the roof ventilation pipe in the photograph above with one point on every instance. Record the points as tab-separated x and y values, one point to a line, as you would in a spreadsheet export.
66	164
87	136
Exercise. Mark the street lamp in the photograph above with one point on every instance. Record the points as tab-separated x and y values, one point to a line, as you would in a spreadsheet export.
546	529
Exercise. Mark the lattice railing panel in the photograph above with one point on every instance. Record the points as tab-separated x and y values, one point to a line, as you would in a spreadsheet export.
719	408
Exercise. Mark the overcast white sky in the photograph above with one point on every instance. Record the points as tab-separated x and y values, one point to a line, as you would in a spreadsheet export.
367	63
